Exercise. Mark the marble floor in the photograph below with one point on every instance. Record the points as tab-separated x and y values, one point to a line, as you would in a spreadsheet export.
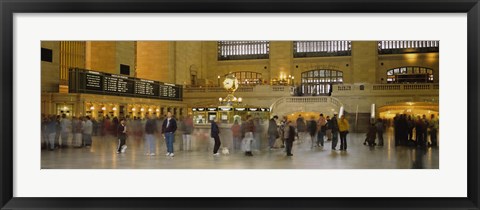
102	155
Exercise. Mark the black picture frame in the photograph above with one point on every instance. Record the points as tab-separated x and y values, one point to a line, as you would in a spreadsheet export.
10	7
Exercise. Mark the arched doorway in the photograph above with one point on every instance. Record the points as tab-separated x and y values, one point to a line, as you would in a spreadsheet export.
409	108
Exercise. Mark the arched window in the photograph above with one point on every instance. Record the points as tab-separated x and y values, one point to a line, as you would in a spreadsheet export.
248	77
321	48
410	74
318	82
241	50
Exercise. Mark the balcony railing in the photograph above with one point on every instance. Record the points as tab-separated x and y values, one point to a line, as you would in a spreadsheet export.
343	88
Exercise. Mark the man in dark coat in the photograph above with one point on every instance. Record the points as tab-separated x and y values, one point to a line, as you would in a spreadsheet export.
214	133
312	130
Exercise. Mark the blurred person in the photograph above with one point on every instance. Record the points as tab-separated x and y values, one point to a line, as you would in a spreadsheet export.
301	128
289	136
372	132
58	131
380	126
52	130
44	124
312	130
322	128
334	127
343	128
257	135
410	127
87	132
426	122
281	129
169	127
328	126
236	135
420	129
77	132
187	129
272	132
64	127
214	133
434	124
122	137
150	131
248	130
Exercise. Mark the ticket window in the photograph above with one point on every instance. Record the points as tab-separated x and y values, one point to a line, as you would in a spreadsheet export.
200	117
211	116
66	109
224	117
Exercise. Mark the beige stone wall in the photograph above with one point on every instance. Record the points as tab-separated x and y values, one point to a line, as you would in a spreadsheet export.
387	62
101	56
281	60
364	59
50	71
125	54
154	62
188	56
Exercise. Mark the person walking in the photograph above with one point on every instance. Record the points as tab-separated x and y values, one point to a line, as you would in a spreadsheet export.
150	131
272	132
122	137
169	127
187	128
328	126
65	131
52	131
322	128
236	135
312	130
380	129
301	127
214	133
334	127
420	129
433	131
289	136
248	130
343	128
87	131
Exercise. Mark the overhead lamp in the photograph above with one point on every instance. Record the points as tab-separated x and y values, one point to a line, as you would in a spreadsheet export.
240	99
114	108
103	108
133	109
158	110
92	108
150	110
142	109
220	99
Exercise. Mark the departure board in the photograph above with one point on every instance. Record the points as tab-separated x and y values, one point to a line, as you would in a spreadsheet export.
86	81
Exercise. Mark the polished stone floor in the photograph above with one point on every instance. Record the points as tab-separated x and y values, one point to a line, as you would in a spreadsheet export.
102	155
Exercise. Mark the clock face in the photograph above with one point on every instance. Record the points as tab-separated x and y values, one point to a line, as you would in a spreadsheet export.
230	83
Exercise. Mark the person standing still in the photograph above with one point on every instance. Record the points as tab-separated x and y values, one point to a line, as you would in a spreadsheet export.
150	130
328	126
214	133
169	127
343	128
122	137
272	132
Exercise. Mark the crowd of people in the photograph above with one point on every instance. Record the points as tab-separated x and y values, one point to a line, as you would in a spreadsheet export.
60	131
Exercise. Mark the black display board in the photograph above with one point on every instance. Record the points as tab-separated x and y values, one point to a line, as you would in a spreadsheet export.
87	81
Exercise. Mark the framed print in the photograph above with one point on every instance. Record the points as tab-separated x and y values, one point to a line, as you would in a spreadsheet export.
239	105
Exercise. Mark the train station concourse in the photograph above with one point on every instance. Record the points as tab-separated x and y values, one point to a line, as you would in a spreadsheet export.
246	104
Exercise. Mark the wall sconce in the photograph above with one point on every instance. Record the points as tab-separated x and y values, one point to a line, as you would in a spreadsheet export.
220	99
133	109
92	108
158	110
240	99
114	108
103	108
142	109
150	110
